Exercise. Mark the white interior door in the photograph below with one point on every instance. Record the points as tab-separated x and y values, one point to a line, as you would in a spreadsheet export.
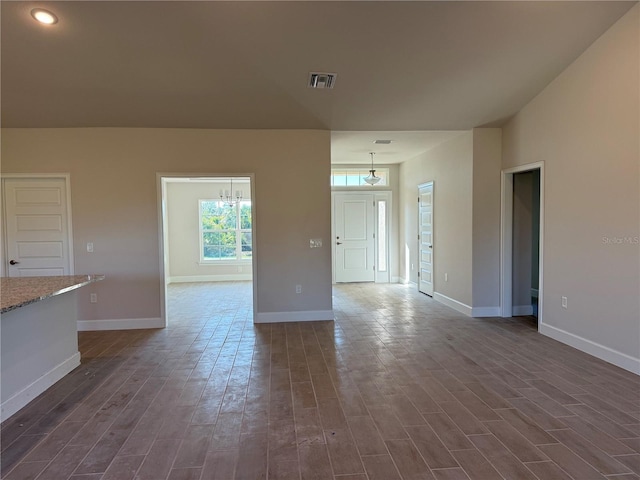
37	227
425	238
354	229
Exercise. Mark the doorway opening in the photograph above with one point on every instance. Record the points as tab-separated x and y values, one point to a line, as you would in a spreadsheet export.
522	242
526	244
360	228
207	237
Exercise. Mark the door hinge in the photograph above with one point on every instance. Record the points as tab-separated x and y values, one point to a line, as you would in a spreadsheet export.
418	199
374	268
374	235
418	274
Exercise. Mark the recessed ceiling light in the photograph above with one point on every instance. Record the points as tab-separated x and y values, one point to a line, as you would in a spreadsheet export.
44	16
382	142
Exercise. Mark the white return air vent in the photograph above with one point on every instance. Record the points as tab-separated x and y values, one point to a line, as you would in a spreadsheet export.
321	80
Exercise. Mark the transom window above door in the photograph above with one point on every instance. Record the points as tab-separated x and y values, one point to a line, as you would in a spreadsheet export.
354	177
225	232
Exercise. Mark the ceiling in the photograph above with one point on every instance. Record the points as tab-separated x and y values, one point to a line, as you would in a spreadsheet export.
355	147
401	66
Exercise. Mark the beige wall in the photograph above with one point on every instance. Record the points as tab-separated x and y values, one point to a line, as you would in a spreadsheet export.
183	232
466	175
487	158
585	126
449	166
114	199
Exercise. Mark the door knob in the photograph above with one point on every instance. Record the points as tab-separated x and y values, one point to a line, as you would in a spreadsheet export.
338	243
13	262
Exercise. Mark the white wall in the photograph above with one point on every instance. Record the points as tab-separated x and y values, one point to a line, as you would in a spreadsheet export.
585	126
114	199
183	229
450	166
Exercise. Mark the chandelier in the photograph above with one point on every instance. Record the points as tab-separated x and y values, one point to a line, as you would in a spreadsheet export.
372	179
227	196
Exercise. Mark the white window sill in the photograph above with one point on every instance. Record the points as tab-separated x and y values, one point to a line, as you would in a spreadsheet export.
224	262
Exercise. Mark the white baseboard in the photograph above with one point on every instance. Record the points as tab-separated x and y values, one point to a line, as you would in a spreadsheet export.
520	310
455	304
120	324
31	391
607	354
399	280
479	312
303	316
210	278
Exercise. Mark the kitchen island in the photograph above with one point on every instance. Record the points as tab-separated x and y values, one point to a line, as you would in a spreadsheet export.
38	334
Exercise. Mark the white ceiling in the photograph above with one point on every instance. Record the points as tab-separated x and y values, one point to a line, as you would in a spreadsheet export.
402	66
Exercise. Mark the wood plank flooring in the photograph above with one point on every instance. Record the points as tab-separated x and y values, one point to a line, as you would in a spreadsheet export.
399	387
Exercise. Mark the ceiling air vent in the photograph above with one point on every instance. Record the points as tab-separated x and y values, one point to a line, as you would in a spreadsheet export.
321	80
382	142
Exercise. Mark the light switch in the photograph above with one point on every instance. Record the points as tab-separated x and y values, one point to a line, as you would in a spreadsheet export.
315	243
90	247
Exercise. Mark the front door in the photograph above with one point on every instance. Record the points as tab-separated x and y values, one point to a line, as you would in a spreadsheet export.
36	226
354	237
425	238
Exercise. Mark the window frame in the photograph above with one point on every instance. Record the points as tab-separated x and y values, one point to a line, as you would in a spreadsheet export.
361	173
237	230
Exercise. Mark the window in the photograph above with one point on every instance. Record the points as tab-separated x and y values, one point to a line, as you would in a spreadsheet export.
382	235
225	231
354	177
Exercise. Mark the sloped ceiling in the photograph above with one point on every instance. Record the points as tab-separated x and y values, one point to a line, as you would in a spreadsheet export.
401	65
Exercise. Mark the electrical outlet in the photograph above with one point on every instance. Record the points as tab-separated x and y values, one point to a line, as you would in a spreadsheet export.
412	266
90	247
446	277
564	302
298	288
93	298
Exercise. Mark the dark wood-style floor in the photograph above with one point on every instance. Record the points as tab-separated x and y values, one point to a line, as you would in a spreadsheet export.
400	388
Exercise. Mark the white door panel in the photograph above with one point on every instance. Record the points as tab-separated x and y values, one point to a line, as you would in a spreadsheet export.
37	234
355	258
354	242
425	238
355	220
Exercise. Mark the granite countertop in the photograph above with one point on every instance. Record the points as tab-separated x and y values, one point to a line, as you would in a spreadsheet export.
16	292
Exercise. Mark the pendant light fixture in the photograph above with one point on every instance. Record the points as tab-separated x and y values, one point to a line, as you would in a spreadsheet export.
372	179
227	197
